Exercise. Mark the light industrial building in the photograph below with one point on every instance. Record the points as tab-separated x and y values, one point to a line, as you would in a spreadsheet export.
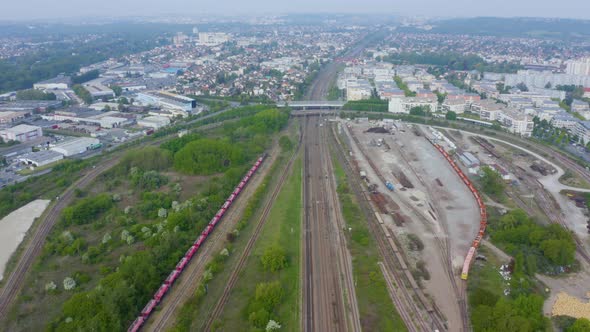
167	100
155	122
76	146
60	82
89	116
11	116
21	133
99	91
40	158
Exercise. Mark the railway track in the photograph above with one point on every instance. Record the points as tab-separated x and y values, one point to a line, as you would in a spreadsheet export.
15	280
324	307
411	303
345	263
219	306
196	268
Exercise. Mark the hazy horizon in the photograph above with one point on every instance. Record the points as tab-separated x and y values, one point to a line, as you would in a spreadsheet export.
67	9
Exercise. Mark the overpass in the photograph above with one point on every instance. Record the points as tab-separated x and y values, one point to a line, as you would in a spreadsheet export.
313	104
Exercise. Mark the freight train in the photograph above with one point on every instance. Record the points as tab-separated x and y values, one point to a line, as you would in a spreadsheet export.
482	212
173	276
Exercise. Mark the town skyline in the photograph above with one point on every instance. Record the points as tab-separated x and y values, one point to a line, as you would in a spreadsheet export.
68	9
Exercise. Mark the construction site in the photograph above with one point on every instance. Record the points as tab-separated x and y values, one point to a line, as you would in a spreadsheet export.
418	178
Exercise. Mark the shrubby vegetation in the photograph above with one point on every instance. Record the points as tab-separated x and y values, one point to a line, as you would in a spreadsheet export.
83	93
453	61
369	105
491	182
207	156
535	247
86	209
149	158
63	174
32	94
263	306
83	78
285	143
157	229
522	314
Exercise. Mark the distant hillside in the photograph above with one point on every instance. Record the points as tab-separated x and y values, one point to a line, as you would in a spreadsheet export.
516	27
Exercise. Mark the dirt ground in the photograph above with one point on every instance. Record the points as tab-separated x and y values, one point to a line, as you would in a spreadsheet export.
14	226
576	285
450	208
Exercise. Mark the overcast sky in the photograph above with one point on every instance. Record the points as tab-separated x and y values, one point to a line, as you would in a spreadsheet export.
35	9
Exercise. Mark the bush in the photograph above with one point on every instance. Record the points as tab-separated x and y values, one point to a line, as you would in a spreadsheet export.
208	156
274	258
149	158
492	182
285	143
543	245
87	209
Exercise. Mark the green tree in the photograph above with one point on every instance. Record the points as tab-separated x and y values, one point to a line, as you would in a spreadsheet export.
274	258
117	90
285	143
33	94
451	115
559	251
491	181
208	156
580	325
83	93
269	294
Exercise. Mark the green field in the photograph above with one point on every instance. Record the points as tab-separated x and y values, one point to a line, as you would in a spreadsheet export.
281	229
376	309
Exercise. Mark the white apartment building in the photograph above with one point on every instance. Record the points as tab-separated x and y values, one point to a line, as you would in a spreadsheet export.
405	104
517	122
582	129
564	120
358	89
488	109
454	105
578	67
213	38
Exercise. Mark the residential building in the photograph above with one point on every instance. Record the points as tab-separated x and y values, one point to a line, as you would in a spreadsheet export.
582	129
454	105
488	109
578	67
358	89
213	38
564	120
405	104
516	122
